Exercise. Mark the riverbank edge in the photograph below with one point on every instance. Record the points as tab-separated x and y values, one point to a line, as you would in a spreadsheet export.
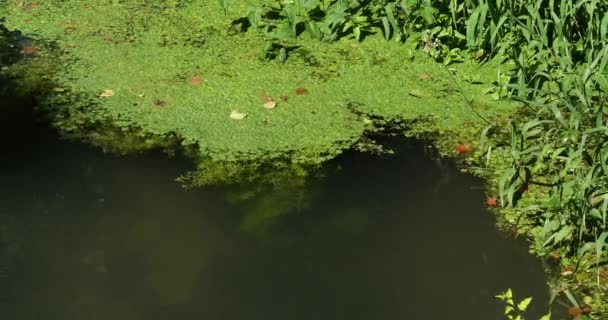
113	139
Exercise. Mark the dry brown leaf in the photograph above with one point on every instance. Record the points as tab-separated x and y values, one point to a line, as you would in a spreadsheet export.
270	104
160	103
197	80
106	93
236	115
29	50
423	76
266	98
301	91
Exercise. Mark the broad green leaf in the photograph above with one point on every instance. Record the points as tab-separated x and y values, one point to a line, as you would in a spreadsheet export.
357	32
313	30
564	232
472	27
523	305
390	15
549	226
387	28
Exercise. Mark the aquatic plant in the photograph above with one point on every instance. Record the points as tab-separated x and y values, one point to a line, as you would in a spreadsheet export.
556	56
515	310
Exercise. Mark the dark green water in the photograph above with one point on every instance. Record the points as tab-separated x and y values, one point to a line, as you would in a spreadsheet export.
91	236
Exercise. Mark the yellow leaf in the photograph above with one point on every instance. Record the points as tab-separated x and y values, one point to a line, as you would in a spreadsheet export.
106	93
236	115
270	104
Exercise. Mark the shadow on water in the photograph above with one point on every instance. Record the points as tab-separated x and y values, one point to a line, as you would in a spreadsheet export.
94	236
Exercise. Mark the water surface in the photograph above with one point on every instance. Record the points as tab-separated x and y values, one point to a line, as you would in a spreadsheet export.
93	236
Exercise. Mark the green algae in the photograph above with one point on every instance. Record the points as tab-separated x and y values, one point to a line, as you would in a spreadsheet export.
146	53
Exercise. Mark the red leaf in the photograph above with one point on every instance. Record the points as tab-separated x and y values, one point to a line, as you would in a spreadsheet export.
462	148
492	202
196	80
574	311
301	91
29	50
586	309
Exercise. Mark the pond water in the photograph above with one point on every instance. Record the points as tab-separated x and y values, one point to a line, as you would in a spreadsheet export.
93	236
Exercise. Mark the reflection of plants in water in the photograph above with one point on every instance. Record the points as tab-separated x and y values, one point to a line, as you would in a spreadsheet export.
173	254
265	190
265	210
352	221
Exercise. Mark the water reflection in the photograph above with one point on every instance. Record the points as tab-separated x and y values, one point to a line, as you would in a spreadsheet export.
102	237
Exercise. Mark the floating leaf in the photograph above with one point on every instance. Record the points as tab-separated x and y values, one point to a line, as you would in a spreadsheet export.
236	115
574	311
301	91
462	148
586	309
196	80
106	93
29	50
160	103
284	98
419	93
492	202
423	76
270	104
266	98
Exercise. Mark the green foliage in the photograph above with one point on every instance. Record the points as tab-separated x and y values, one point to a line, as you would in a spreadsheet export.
515	311
266	191
282	22
559	144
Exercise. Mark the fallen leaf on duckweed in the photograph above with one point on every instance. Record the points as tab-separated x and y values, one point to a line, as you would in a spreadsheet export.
106	93
160	103
462	148
301	91
419	93
423	76
196	80
492	202
284	98
574	311
266	98
236	115
29	50
270	104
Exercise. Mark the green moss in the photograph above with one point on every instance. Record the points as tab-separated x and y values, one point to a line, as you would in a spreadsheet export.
146	53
